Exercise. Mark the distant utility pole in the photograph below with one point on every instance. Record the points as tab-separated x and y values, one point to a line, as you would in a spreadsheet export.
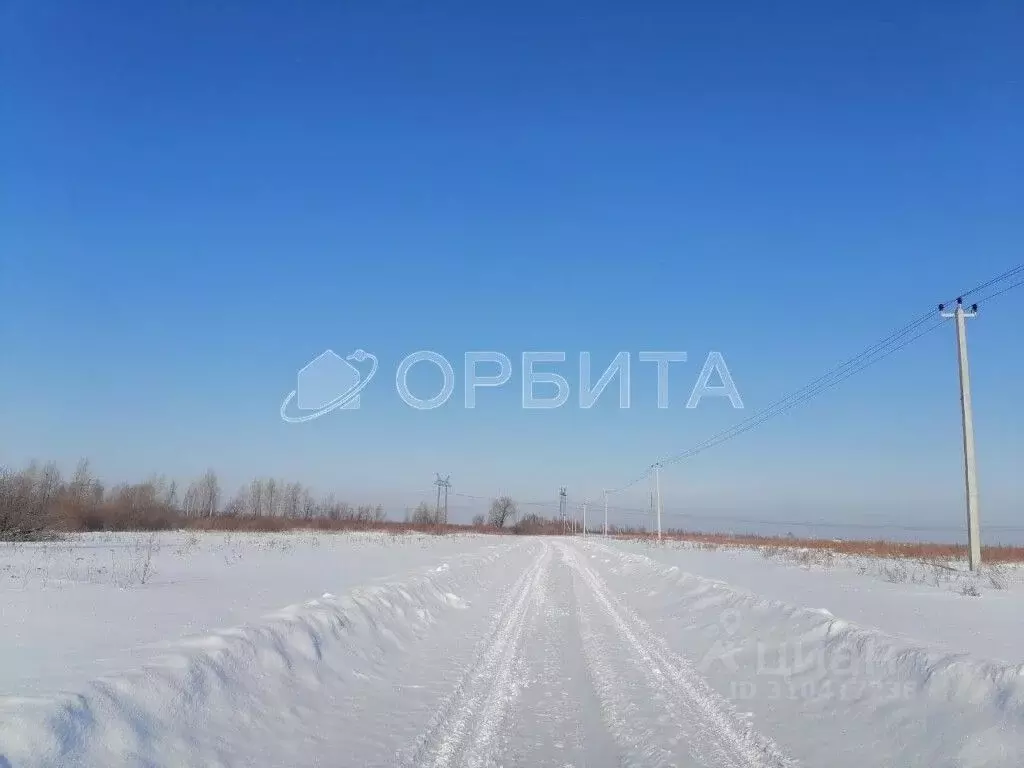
606	513
967	420
561	509
447	487
446	483
584	519
657	494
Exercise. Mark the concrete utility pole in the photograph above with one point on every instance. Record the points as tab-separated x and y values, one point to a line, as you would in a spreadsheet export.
561	510
657	494
447	486
606	514
584	519
967	421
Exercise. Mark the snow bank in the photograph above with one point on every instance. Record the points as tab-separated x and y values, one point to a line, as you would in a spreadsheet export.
250	695
93	605
935	604
831	691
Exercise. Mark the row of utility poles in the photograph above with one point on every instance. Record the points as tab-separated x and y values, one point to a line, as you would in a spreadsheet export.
959	315
655	504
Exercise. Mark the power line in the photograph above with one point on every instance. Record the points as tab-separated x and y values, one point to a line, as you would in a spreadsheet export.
876	352
765	416
1001	292
873	354
998	279
646	512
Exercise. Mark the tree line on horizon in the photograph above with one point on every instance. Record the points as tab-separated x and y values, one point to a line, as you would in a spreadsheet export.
38	500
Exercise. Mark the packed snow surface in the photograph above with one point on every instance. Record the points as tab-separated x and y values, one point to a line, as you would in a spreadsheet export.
373	650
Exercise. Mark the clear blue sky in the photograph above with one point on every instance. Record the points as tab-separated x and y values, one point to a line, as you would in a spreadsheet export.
198	198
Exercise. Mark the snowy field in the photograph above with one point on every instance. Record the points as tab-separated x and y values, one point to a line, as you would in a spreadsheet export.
371	650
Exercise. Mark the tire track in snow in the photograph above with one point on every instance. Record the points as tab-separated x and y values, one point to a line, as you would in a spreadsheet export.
715	736
467	728
558	719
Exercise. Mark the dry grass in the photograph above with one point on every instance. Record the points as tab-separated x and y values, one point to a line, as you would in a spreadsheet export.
927	551
253	524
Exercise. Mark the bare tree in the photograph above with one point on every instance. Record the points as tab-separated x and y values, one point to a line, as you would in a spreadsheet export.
25	502
202	498
210	490
135	507
292	499
190	502
367	513
256	498
503	510
47	488
424	514
271	496
84	488
308	505
171	497
534	524
239	505
328	507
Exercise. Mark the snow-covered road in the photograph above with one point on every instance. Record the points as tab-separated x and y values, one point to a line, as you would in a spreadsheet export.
570	676
534	652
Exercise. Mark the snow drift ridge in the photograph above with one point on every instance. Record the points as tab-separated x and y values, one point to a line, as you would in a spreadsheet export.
168	712
832	684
